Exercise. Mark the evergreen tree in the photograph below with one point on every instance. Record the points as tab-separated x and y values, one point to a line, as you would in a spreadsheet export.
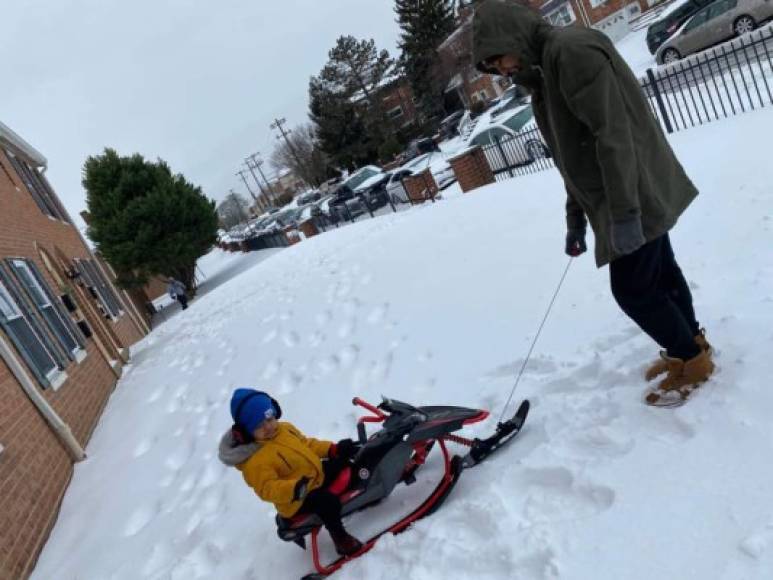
344	103
145	220
425	24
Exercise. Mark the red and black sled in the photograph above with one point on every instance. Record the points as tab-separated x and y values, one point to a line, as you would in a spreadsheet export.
392	455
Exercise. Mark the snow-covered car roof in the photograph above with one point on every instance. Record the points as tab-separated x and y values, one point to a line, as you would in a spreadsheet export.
487	120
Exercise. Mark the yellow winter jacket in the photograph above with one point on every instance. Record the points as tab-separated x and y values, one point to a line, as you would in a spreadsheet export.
274	469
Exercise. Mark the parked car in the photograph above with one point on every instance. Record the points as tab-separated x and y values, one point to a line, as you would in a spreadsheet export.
513	97
418	147
720	20
670	20
435	161
308	197
376	195
345	209
449	127
362	178
513	124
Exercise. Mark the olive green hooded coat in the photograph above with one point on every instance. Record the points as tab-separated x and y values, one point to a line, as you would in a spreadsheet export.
590	108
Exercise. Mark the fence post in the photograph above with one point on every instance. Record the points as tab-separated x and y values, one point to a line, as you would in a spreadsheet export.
659	100
504	157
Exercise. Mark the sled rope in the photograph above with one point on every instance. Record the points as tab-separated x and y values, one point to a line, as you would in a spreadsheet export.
534	342
457	439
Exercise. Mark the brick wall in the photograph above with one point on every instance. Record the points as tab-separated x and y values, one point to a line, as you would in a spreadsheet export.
400	95
421	187
34	467
609	7
471	169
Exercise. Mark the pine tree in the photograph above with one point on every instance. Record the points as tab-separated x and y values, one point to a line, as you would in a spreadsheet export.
145	220
344	103
425	25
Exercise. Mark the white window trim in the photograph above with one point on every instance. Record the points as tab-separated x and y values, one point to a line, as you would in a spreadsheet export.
570	10
597	3
56	379
52	376
393	109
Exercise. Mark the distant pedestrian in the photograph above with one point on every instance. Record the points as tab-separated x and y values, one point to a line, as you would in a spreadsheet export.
177	291
619	170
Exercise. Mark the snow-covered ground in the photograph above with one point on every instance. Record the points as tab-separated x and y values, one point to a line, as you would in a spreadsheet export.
439	305
633	48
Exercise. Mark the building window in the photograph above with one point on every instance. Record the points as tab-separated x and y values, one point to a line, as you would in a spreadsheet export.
99	287
39	188
562	16
27	341
597	3
395	113
57	321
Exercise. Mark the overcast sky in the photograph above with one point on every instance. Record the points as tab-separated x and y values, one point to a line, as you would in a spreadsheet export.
194	82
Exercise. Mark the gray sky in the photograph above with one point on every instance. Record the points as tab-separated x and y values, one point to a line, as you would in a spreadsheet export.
194	82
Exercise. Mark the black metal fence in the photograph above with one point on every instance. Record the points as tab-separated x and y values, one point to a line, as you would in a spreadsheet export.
732	78
520	154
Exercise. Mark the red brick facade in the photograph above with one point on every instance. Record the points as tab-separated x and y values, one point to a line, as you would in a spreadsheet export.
421	187
471	169
397	103
35	466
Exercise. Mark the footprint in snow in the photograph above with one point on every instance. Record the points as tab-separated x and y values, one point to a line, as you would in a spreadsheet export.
291	339
554	495
755	545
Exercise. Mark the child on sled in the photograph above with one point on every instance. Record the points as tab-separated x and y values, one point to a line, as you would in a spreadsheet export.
284	467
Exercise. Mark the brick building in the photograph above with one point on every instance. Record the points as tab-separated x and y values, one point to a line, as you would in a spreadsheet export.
612	17
65	330
467	85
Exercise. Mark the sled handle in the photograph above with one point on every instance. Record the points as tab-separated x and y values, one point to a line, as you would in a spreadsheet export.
379	415
361	433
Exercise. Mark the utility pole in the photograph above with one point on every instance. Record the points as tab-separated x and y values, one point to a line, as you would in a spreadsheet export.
240	173
279	125
257	163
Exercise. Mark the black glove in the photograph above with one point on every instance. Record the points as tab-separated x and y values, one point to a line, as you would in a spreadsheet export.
575	243
345	449
627	236
301	488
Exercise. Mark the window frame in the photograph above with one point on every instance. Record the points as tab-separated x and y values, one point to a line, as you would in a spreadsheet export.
39	188
88	269
54	376
33	285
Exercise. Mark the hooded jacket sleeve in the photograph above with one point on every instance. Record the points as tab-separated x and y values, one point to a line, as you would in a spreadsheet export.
591	88
575	216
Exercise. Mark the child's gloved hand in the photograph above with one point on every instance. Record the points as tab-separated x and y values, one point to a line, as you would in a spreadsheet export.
345	449
301	489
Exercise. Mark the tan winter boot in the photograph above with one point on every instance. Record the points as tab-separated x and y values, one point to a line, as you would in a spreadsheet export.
660	366
683	376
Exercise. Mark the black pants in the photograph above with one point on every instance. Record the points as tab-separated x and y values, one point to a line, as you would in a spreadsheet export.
325	504
183	300
650	288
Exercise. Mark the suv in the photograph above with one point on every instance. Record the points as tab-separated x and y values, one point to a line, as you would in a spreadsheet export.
673	17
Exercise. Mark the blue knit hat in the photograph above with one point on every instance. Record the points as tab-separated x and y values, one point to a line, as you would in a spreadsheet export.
252	407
